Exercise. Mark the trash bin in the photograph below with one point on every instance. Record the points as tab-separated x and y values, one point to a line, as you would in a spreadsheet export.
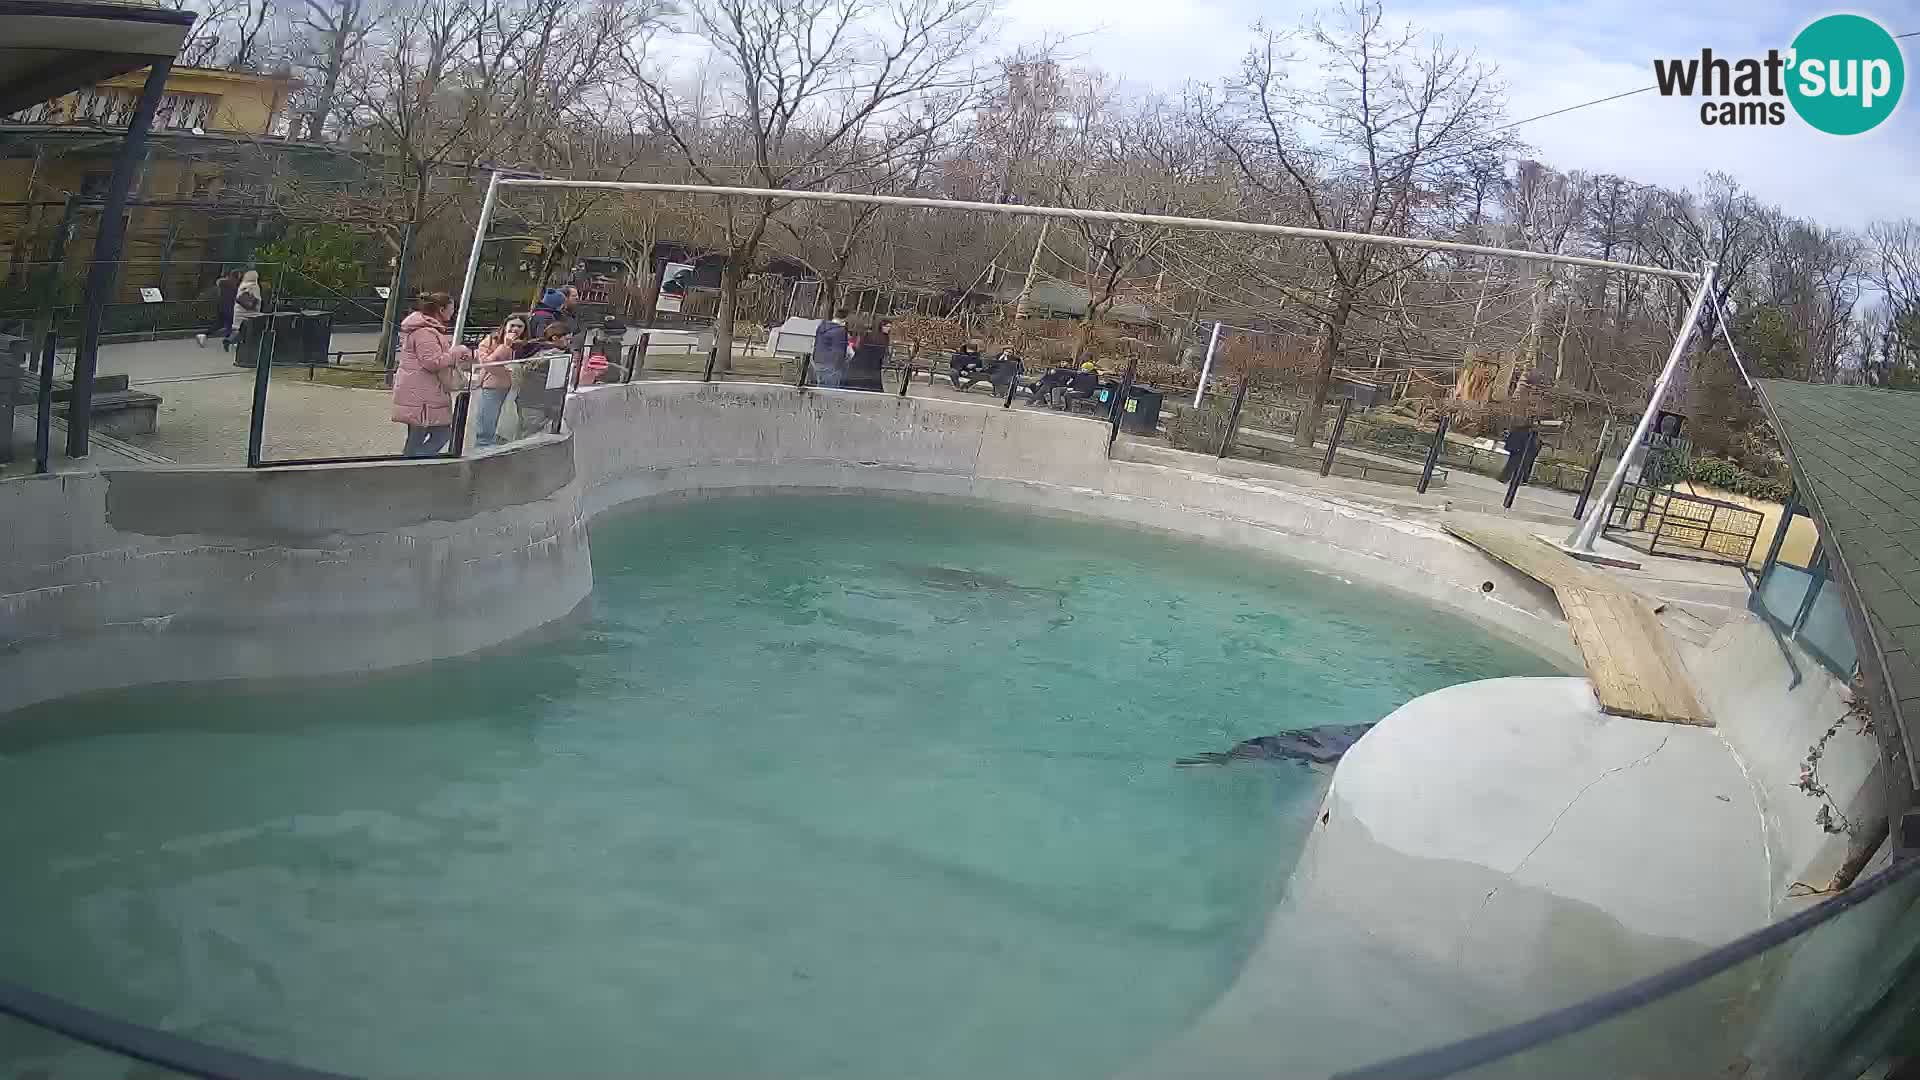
1141	413
247	332
316	337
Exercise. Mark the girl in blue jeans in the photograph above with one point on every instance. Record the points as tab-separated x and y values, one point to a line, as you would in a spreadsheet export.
496	382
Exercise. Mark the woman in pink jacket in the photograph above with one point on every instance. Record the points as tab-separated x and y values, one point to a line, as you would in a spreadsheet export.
428	369
496	379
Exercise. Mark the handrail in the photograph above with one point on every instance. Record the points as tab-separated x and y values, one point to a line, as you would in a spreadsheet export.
142	1043
1471	1053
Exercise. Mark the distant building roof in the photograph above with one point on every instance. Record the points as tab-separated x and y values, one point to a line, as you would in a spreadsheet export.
1072	300
1855	453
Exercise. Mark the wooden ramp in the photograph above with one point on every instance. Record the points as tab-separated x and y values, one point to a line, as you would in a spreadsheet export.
1630	660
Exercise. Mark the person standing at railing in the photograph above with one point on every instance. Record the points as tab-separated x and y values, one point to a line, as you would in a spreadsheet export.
427	373
494	357
830	351
228	290
869	356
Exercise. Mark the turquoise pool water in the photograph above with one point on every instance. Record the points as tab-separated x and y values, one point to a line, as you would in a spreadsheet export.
823	787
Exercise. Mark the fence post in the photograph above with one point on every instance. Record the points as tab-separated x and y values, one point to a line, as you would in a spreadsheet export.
43	414
1433	453
1333	442
262	371
806	368
1233	418
574	360
1120	402
1013	384
458	444
913	353
713	357
1593	469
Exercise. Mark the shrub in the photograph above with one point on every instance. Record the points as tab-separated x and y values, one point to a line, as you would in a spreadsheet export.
1725	475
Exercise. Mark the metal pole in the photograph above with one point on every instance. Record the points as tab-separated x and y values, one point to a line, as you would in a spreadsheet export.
1033	269
574	360
1521	468
461	404
713	357
106	256
56	254
1120	402
1233	418
1013	384
1206	366
1259	228
906	379
1593	470
262	371
473	256
1588	531
1333	442
1433	453
43	416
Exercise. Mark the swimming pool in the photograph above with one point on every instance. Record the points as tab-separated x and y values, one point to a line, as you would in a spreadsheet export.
821	786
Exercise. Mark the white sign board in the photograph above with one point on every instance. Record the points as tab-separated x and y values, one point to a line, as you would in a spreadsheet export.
674	282
557	365
382	291
151	296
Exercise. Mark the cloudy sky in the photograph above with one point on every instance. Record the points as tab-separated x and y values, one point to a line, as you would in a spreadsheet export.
1552	54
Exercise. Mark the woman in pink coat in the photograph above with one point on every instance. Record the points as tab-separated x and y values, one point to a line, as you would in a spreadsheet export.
429	365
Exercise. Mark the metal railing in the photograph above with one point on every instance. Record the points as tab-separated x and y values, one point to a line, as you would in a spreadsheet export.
1661	521
1657	1025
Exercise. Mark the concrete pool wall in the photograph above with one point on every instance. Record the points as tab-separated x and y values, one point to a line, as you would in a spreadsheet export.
1504	811
176	574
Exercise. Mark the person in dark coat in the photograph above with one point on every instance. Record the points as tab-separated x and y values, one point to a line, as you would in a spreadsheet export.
830	351
229	288
555	308
966	368
869	356
1519	443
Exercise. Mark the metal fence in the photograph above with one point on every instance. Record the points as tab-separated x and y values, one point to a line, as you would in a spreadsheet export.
1661	521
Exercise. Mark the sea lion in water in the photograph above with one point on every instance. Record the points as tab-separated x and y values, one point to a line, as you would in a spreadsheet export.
1316	745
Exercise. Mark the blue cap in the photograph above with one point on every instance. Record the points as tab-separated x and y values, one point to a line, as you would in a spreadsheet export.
553	298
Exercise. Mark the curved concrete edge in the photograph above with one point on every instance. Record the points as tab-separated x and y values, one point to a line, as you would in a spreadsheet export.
687	439
181	574
137	576
1486	853
1772	727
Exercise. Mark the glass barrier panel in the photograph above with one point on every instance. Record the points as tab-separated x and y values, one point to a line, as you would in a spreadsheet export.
1783	591
1825	631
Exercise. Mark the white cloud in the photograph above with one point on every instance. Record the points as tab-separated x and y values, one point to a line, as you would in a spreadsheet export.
1554	54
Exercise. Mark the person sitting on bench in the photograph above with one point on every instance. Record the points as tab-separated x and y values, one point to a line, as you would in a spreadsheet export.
1081	386
965	368
1041	390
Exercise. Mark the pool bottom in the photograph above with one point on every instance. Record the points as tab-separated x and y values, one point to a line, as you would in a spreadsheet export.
825	786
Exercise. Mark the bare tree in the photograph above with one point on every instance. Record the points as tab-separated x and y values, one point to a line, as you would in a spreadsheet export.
1365	149
817	90
332	33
